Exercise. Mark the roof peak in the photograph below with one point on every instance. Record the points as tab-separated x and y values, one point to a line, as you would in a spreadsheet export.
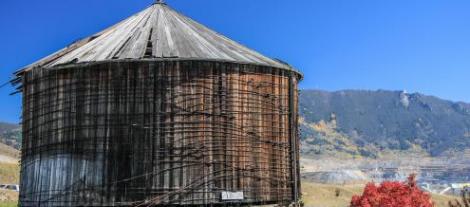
159	2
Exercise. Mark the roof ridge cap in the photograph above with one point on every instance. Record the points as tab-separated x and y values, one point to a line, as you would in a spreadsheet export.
159	2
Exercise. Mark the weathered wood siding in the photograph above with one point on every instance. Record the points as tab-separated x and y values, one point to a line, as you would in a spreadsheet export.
160	133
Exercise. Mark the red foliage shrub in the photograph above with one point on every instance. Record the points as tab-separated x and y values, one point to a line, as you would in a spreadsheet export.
393	194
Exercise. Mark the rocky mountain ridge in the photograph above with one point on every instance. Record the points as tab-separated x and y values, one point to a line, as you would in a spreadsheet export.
368	123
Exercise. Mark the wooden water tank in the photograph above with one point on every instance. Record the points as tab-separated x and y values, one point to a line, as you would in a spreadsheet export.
159	110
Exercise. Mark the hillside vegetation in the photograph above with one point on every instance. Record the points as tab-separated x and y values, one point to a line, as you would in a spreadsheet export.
10	134
367	123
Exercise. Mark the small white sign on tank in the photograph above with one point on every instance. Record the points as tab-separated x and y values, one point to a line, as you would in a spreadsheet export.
232	196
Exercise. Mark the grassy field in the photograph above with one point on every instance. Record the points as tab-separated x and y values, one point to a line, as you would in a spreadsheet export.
9	151
9	154
9	167
323	195
8	198
9	173
9	204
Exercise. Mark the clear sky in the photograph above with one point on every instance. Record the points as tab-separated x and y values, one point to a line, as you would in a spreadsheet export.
414	45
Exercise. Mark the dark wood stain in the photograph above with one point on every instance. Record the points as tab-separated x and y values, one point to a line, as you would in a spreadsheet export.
159	133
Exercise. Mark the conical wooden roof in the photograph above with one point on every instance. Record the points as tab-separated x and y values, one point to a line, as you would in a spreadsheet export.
157	32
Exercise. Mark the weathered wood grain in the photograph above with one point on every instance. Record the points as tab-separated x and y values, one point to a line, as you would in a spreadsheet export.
164	32
160	133
158	110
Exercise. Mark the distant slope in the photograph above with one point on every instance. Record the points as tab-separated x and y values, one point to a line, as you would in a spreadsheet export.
8	154
9	164
5	127
10	134
9	157
364	123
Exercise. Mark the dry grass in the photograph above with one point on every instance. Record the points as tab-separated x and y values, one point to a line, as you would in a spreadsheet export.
9	151
9	173
9	154
7	196
9	166
443	200
324	195
9	204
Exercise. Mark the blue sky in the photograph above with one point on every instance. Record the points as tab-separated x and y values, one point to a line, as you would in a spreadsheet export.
415	45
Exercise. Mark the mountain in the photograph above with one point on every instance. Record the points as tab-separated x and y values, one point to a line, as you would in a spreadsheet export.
368	123
5	127
10	134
